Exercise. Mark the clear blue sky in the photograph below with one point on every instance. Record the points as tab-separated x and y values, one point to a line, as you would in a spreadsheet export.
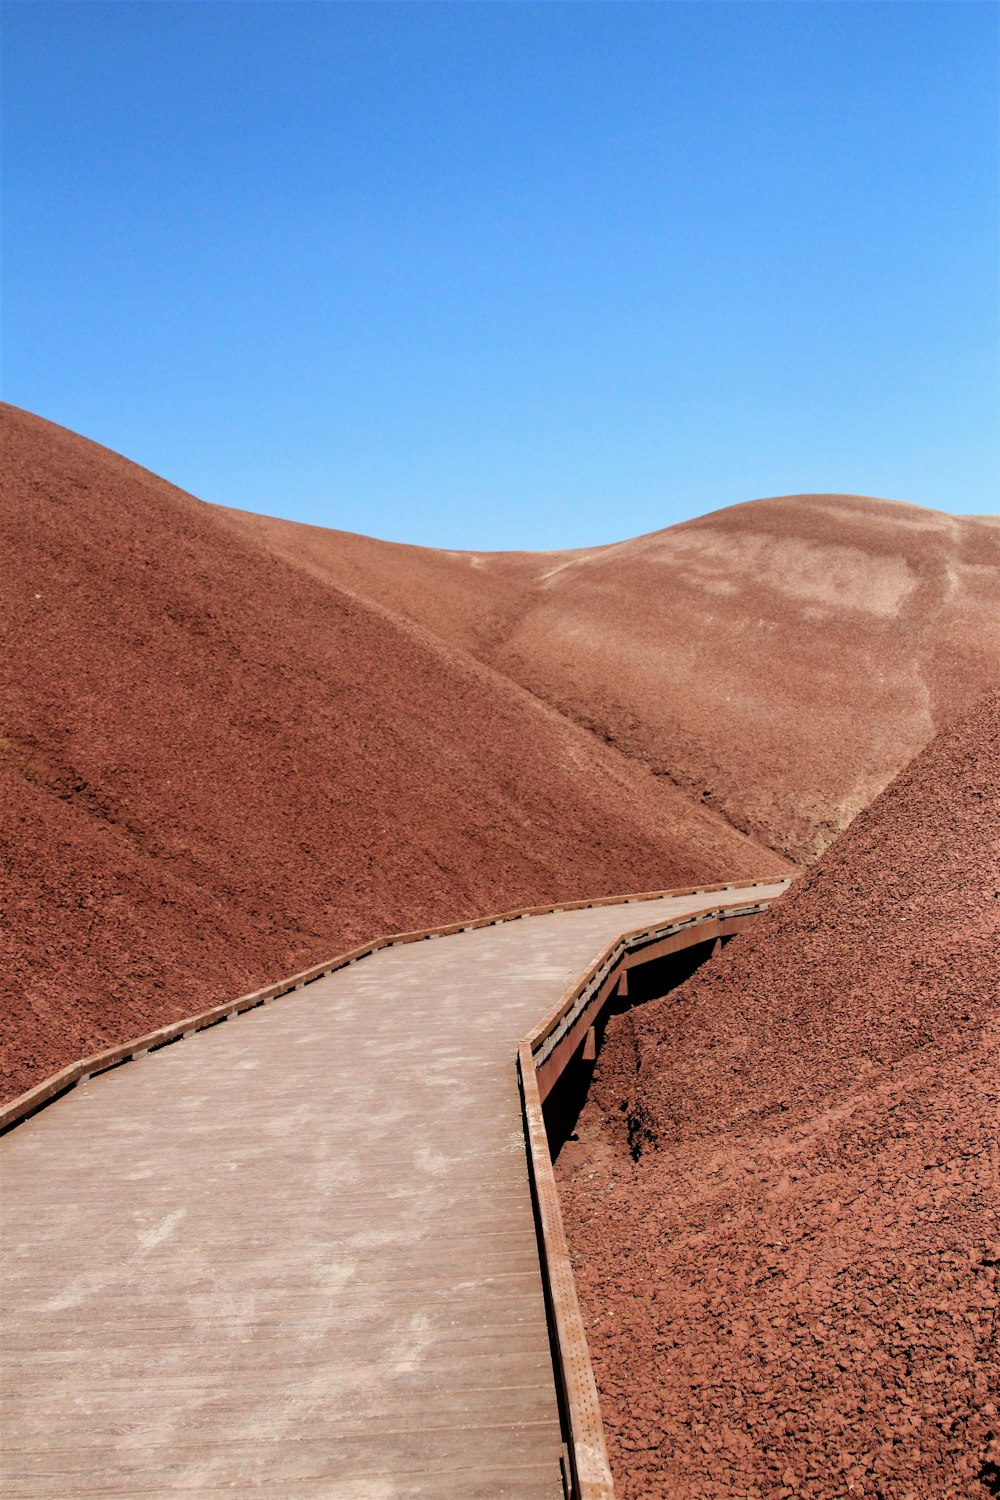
510	275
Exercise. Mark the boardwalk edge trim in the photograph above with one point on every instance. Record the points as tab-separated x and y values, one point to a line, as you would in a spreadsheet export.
543	1055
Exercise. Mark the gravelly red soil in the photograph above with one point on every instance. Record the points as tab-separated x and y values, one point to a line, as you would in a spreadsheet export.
216	767
734	655
794	1290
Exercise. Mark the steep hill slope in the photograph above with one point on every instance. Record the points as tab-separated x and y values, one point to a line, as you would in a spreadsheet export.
793	1291
216	768
779	660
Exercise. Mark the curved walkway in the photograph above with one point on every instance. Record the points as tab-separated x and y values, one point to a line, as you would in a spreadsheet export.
296	1253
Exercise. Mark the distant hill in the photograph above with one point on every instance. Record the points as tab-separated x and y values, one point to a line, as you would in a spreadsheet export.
810	1228
778	661
217	767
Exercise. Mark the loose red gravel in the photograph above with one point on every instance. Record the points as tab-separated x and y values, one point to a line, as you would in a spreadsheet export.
794	1290
217	767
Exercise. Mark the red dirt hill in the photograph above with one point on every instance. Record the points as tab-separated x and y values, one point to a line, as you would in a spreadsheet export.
778	661
216	768
793	1292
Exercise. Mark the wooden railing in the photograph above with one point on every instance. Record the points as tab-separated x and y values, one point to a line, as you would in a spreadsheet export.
79	1071
543	1056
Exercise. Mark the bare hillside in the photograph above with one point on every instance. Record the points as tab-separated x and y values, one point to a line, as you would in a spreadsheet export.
779	661
217	768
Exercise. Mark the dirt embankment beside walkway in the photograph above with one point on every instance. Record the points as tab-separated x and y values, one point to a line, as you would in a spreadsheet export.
793	1290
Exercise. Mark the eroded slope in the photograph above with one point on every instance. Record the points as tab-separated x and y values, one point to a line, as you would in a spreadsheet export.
217	768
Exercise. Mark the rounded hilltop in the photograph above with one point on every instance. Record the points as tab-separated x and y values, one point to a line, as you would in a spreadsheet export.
778	661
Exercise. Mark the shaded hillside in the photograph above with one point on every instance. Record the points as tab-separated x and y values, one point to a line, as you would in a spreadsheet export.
216	768
779	660
794	1290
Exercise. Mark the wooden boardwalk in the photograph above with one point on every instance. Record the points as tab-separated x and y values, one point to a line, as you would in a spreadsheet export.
295	1253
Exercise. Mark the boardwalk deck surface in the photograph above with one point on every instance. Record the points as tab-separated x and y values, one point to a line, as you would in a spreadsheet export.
295	1254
